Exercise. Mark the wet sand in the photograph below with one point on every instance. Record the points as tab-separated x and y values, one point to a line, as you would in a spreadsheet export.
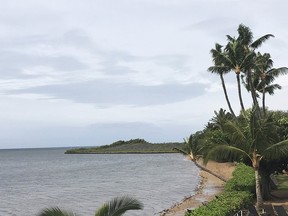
208	188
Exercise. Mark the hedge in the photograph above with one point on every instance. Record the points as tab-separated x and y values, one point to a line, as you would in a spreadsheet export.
238	194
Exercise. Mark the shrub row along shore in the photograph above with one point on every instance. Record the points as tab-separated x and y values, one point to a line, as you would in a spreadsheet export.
209	186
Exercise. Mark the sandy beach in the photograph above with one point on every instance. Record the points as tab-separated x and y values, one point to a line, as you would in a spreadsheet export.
208	188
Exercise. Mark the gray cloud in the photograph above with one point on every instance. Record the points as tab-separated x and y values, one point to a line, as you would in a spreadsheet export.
116	93
12	63
103	54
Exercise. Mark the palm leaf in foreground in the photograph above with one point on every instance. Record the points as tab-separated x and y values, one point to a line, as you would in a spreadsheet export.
55	212
118	206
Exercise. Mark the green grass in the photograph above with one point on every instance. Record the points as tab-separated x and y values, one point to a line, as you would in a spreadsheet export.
282	182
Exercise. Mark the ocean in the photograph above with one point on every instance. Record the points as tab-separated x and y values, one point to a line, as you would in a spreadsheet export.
34	179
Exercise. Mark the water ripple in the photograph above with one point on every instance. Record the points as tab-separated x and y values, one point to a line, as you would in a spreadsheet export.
39	178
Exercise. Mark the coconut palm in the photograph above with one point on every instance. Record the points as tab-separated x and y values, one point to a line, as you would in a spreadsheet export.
234	58
116	207
245	37
220	69
252	139
193	152
238	61
265	75
239	55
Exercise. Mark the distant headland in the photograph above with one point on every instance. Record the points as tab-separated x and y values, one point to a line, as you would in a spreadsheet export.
133	146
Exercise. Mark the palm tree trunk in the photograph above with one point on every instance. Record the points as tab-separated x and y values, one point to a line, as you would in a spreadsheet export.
209	171
239	92
263	102
226	95
259	199
253	93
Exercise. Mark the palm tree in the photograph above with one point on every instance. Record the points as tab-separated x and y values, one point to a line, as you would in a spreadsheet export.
265	75
220	69
238	56
116	207
234	58
245	37
193	151
238	61
252	139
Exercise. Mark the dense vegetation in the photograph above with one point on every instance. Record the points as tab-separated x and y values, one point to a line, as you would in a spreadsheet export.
238	194
135	146
256	136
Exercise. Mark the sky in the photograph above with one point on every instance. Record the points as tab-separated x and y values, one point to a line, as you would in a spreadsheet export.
91	72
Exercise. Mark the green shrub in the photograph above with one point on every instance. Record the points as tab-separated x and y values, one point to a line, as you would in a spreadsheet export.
225	205
238	194
243	179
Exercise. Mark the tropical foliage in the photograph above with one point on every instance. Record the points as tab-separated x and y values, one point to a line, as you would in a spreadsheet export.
116	207
250	139
256	69
257	137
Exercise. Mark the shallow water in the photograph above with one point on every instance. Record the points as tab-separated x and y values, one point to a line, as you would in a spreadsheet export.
33	179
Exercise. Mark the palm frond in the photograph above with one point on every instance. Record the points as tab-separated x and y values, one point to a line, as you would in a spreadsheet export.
271	89
55	211
257	43
236	133
275	72
118	206
245	35
225	152
276	151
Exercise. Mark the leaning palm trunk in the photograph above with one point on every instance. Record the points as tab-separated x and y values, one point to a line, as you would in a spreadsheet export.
209	171
226	95
194	160
239	92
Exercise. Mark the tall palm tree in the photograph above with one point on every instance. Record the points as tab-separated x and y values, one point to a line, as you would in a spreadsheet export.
265	75
116	207
239	56
234	58
193	152
251	139
245	37
220	69
238	61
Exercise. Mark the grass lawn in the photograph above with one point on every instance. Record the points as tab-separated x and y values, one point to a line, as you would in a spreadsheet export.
282	182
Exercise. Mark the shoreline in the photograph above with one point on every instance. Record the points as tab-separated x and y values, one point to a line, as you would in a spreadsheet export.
209	187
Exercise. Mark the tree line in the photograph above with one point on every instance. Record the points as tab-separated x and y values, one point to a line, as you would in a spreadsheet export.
256	136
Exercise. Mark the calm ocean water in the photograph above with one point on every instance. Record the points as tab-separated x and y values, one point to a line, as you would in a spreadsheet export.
33	179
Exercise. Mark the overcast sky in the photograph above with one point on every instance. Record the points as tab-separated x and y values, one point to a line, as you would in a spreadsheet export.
91	72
